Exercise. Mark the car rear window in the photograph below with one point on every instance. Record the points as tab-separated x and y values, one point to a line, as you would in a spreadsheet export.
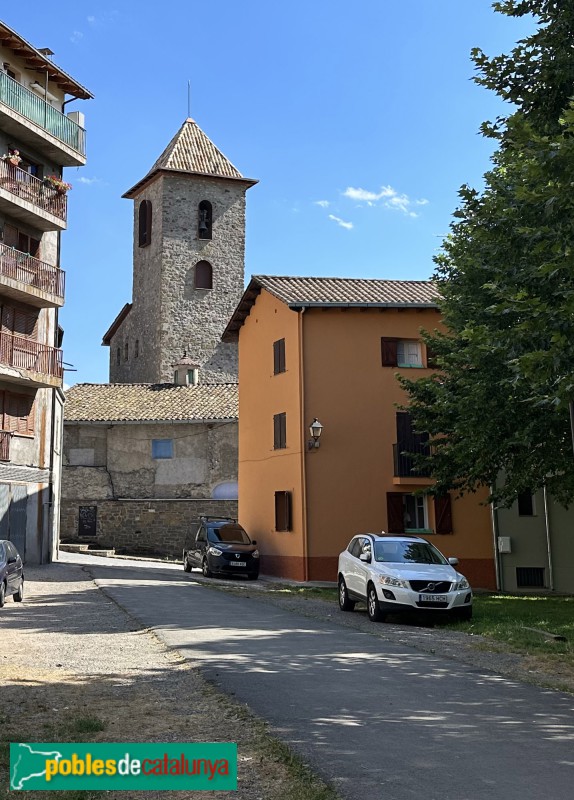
228	534
408	553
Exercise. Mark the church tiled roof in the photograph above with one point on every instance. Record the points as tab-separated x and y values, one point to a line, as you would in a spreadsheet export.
303	292
146	402
193	152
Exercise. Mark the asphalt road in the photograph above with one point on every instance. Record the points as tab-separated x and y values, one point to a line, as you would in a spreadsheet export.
376	719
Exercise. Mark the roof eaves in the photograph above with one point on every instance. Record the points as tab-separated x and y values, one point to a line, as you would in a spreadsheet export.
296	304
69	84
158	421
137	188
107	338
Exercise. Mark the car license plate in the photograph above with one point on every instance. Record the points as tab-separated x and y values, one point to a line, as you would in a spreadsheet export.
433	598
238	563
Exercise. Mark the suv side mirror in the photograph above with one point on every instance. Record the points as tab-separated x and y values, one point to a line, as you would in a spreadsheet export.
453	562
365	557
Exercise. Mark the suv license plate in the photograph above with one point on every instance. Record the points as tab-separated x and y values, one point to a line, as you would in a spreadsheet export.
433	598
238	563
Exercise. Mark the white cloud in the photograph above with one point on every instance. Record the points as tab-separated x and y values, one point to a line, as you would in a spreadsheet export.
322	203
76	36
91	19
390	199
341	222
89	181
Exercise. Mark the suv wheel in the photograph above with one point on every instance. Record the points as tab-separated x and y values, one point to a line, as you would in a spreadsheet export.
2	594
186	564
19	595
373	608
465	613
345	602
207	573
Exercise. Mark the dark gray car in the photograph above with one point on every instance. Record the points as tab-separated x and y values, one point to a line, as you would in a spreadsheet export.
222	547
11	573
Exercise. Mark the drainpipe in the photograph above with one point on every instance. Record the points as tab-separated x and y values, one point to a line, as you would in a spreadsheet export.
303	449
497	559
548	542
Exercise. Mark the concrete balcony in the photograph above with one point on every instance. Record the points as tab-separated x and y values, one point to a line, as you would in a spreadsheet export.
35	202
30	280
31	120
29	363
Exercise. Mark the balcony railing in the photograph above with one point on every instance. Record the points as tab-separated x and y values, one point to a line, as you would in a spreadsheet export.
27	269
28	187
5	445
405	463
29	105
22	353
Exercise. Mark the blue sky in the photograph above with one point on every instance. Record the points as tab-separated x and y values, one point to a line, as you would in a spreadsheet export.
359	120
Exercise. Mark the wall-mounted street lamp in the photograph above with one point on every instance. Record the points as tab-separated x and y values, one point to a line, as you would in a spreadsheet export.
315	429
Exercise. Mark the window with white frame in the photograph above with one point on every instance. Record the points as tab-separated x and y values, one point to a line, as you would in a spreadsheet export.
415	512
409	353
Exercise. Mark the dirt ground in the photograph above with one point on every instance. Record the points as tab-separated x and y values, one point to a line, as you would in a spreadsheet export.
75	667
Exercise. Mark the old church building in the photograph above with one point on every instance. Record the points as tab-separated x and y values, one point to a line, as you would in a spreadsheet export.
148	453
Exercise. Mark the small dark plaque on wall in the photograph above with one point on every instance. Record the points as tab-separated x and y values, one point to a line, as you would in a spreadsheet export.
87	520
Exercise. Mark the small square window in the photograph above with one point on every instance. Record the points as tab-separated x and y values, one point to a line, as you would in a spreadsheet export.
162	448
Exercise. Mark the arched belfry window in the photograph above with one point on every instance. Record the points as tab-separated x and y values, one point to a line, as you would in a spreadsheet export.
203	275
145	223
204	220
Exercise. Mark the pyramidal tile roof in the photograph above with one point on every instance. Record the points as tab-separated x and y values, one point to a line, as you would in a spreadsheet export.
191	151
149	402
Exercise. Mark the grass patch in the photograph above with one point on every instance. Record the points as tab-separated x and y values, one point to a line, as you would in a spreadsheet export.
87	725
505	618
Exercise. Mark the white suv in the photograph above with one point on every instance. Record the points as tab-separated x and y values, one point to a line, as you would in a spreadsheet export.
393	574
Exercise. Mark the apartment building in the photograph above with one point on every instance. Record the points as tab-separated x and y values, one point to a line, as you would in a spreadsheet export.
38	138
324	442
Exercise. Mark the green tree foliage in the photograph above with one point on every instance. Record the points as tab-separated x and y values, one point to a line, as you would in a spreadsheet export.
499	403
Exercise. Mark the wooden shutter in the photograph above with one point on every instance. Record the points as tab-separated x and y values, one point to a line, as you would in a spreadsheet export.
395	513
443	513
7	319
389	351
2	420
280	431
431	358
282	511
278	356
25	323
11	236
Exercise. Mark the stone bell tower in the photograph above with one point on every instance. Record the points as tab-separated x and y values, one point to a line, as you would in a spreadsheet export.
188	265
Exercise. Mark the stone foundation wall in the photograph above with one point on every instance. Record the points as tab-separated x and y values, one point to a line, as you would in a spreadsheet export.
161	526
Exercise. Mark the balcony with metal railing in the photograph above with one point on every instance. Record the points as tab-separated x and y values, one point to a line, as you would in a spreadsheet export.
404	454
26	361
29	118
30	280
37	202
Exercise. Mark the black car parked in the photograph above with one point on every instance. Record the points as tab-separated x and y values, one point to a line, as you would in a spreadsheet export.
222	547
11	573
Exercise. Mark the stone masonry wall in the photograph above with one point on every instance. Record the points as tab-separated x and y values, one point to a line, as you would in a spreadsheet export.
155	526
143	323
194	319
